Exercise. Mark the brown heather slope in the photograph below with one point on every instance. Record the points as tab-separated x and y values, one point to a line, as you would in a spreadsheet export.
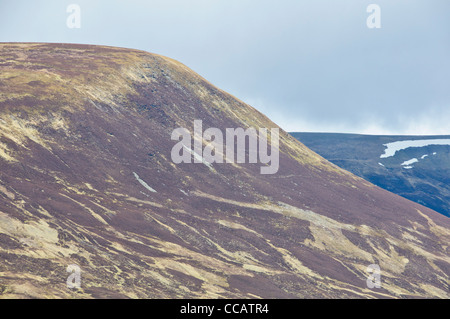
76	123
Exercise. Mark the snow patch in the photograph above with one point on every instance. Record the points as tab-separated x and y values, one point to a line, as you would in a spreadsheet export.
198	157
143	183
394	147
411	161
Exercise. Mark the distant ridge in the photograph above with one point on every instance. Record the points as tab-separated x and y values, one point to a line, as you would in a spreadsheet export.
383	160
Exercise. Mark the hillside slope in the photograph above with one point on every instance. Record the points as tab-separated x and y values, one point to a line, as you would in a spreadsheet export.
86	178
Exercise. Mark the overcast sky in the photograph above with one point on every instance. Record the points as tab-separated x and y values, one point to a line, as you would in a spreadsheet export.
310	65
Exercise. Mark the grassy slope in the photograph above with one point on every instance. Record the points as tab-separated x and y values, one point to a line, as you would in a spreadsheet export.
77	122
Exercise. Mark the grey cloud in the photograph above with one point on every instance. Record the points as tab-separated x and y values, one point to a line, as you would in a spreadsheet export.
309	65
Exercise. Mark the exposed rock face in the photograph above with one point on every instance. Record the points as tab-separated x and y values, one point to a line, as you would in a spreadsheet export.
84	130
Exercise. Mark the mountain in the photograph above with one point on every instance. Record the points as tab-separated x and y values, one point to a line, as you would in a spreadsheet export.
415	167
87	178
